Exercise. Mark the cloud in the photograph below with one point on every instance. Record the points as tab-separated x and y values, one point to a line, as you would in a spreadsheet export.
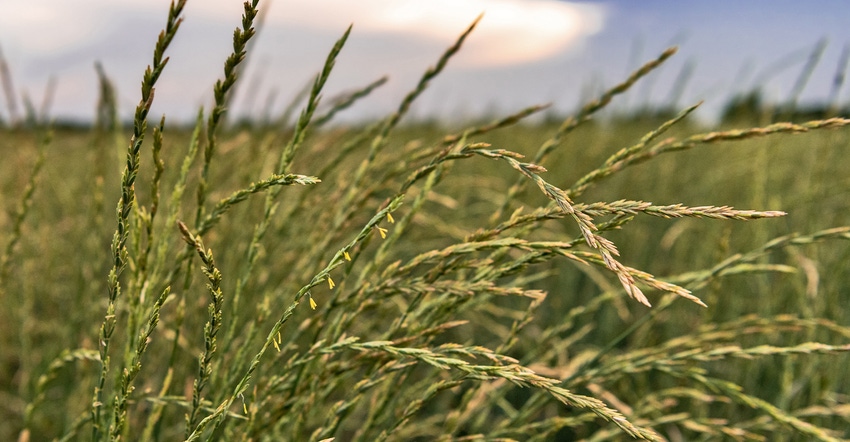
49	27
396	37
511	32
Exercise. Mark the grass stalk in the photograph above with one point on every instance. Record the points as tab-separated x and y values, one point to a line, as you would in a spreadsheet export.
23	209
584	114
211	328
241	37
124	209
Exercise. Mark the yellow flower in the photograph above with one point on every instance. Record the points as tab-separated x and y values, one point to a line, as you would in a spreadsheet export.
346	255
312	306
383	232
330	283
390	218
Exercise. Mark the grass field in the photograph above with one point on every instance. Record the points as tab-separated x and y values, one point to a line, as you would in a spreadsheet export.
392	281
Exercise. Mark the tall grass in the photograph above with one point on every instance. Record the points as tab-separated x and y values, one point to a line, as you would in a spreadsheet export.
392	282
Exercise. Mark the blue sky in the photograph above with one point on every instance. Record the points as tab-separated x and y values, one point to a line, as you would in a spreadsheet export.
525	52
733	45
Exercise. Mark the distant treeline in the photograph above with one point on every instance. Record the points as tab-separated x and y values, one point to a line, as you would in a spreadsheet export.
752	107
749	108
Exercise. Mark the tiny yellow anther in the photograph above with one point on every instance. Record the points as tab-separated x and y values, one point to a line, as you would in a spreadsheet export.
346	255
330	283
312	303
383	232
390	218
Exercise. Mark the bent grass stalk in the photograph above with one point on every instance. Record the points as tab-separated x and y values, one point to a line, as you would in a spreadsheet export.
583	115
638	153
284	165
241	37
347	204
218	416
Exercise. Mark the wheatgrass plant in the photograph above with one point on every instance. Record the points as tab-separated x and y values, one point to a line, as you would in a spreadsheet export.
23	208
119	252
393	283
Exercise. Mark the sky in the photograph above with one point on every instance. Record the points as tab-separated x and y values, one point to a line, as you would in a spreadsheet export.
524	52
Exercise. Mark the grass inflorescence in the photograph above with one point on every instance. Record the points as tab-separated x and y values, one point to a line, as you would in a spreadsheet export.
394	282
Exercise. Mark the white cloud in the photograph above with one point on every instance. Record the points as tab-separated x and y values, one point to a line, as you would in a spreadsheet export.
396	37
511	32
48	27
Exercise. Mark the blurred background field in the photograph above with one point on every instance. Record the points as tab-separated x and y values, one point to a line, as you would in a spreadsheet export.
56	276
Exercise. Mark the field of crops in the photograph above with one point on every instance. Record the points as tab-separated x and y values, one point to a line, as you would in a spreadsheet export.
573	278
